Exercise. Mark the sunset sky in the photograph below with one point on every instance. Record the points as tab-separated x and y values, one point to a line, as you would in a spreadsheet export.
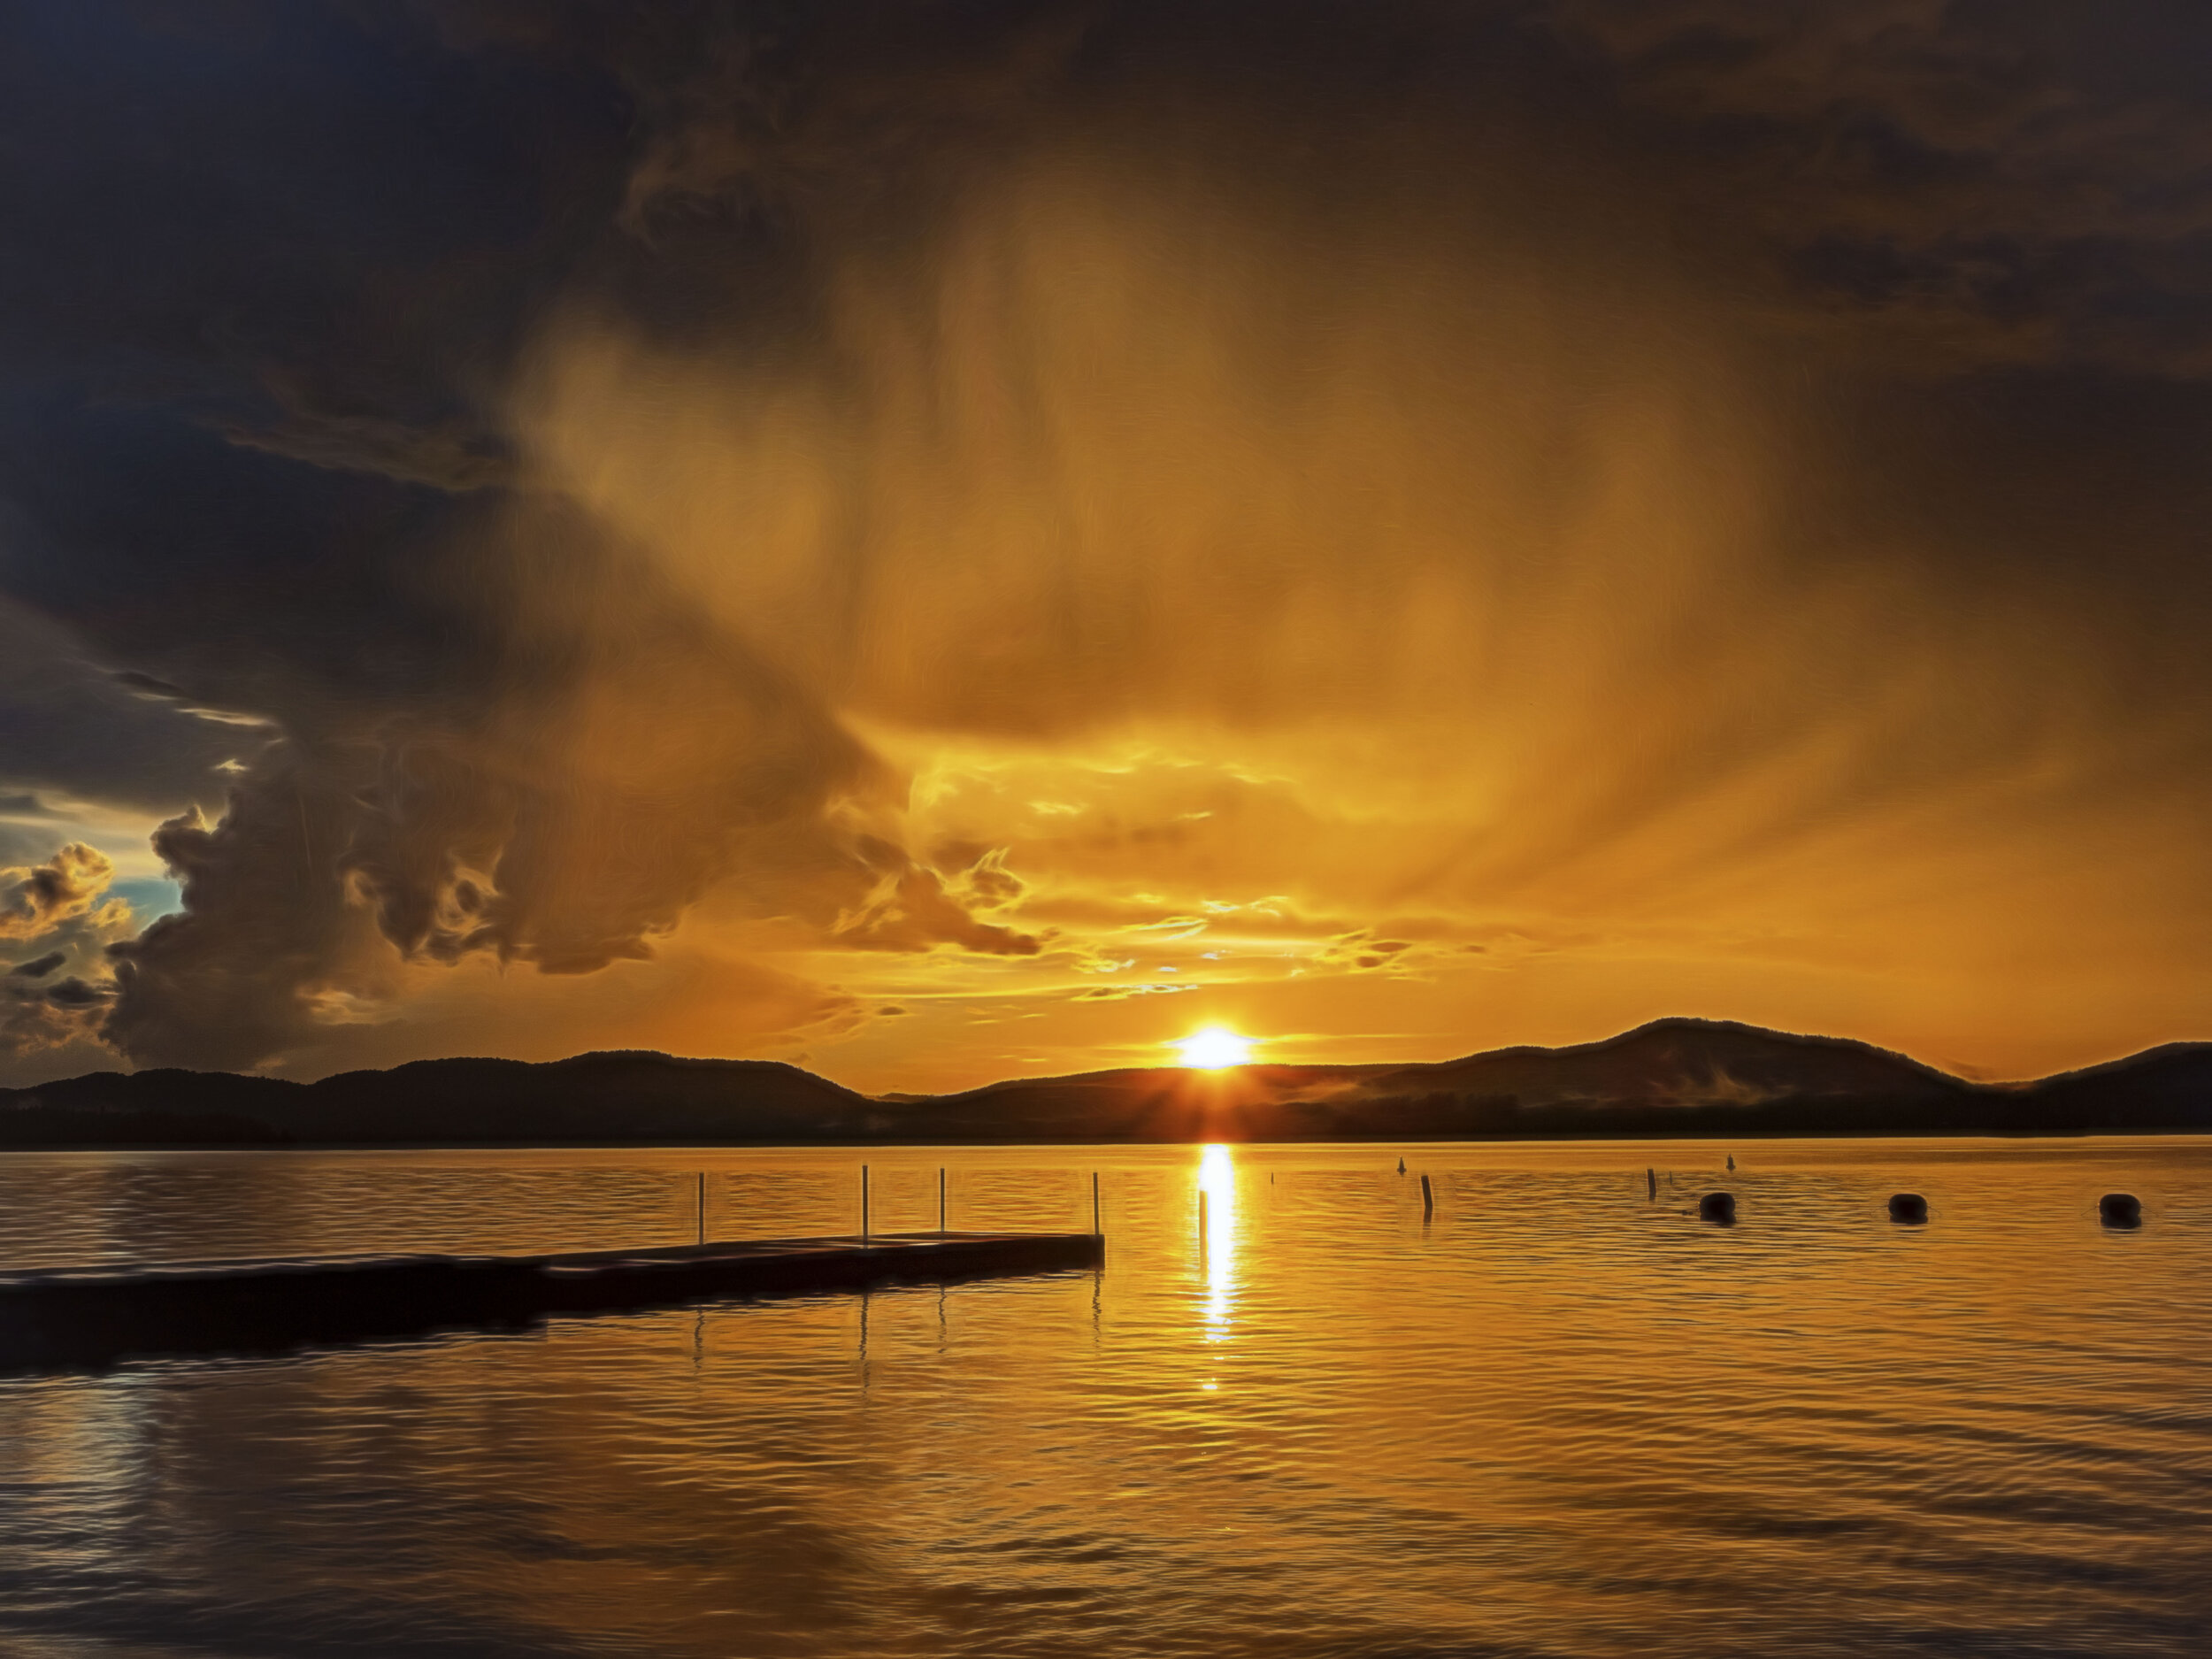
946	541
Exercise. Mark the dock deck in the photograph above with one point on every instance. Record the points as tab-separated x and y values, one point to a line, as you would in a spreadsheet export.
74	1317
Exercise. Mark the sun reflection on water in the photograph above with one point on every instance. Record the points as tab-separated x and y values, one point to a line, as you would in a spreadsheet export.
1217	1242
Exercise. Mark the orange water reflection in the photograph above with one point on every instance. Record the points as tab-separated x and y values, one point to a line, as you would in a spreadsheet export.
1567	1417
1218	1242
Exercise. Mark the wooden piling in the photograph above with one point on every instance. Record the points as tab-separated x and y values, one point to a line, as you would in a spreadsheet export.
1428	1199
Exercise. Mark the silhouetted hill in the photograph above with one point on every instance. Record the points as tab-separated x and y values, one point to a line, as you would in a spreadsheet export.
1683	1063
637	1099
191	1093
1670	1077
1673	1077
622	1096
2168	1085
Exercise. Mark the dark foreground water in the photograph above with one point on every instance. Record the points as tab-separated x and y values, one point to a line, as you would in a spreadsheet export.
1557	1418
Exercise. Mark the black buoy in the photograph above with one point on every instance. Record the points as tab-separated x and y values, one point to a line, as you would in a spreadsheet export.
1401	1166
1909	1208
1731	1161
2120	1209
1719	1208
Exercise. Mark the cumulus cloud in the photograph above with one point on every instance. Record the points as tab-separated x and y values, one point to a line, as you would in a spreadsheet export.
34	900
265	927
911	909
58	903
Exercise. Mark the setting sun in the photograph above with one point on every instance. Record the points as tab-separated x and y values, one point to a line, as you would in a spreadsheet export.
1213	1048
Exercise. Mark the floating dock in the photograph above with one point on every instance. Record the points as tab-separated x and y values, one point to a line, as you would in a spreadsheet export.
69	1318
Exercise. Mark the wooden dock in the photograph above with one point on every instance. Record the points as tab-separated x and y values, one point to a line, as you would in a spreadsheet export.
69	1318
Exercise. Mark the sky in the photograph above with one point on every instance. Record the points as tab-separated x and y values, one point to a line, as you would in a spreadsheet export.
944	540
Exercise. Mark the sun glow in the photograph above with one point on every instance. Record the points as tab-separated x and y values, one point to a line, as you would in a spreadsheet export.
1214	1049
1217	1173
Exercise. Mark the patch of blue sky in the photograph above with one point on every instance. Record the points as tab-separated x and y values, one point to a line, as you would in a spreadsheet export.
150	896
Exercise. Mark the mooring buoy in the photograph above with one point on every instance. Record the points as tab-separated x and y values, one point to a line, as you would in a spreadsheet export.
1731	1161
2120	1209
1909	1208
1719	1208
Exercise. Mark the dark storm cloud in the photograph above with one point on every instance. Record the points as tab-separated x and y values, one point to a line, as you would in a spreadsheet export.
2012	182
78	993
66	726
268	268
631	757
621	759
275	220
233	232
266	271
38	967
2007	181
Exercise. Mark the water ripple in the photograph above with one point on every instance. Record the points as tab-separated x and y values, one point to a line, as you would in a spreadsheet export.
1555	1417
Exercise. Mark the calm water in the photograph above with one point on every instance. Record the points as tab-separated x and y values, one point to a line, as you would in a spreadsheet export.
1557	1418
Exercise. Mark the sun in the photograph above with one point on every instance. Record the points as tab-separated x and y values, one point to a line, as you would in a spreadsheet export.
1214	1049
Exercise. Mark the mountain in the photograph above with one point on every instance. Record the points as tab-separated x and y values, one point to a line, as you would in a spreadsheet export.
1672	1077
2168	1085
620	1099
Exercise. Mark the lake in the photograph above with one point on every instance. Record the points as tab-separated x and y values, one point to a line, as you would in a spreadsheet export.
1557	1417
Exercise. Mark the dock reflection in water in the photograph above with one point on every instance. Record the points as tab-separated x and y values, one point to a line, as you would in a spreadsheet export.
1564	1417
